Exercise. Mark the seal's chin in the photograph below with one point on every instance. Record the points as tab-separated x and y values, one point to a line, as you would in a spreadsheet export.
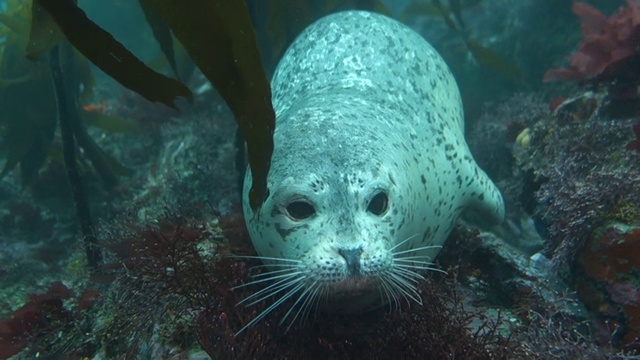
352	295
353	286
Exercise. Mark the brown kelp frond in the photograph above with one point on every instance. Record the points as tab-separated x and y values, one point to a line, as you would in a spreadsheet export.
29	115
219	37
111	56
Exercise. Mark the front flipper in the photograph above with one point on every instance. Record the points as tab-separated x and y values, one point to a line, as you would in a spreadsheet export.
485	203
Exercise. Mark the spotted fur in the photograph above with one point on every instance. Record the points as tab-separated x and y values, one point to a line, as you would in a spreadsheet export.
364	105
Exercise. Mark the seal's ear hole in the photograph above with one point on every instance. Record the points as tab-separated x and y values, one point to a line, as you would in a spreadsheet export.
300	210
378	204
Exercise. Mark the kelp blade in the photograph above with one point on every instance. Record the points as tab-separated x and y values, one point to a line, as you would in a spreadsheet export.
27	112
44	33
14	23
220	39
456	9
444	12
162	33
491	59
108	54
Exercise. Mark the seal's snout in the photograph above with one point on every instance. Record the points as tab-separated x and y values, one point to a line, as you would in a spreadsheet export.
352	257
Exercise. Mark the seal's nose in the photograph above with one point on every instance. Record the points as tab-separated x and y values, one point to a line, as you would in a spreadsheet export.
352	257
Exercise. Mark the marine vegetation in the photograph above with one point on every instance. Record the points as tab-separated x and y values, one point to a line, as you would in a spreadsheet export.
608	55
44	316
232	65
579	179
587	166
576	182
225	50
29	129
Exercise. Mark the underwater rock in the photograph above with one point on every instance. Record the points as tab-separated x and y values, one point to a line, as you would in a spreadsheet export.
584	175
502	277
608	279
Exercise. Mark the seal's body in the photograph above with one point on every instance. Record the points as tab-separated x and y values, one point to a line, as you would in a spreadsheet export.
370	169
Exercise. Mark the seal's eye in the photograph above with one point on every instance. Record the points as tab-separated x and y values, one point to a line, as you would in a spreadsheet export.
300	210
378	204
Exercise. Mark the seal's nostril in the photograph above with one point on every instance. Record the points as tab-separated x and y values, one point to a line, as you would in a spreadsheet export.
352	257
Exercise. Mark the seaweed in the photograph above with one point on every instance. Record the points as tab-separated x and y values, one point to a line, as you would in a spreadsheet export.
33	319
608	54
607	280
29	116
162	34
176	268
220	39
38	324
69	124
177	286
26	126
225	50
635	143
44	33
111	56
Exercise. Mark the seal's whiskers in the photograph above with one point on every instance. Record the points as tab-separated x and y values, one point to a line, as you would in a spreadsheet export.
407	290
286	282
416	249
270	273
263	258
390	292
410	275
403	276
415	258
270	278
297	286
313	302
273	289
419	267
308	295
402	242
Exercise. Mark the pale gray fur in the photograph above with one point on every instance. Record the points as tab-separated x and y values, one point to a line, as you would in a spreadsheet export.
364	104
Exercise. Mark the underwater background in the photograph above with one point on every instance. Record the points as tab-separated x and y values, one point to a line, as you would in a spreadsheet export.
122	154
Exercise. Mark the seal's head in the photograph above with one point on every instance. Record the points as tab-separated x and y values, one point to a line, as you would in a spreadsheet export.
335	231
340	226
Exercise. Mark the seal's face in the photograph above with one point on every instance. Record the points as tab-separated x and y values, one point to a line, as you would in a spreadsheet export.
337	231
338	240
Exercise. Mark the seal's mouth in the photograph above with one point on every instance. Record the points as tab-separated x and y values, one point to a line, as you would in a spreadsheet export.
350	287
355	294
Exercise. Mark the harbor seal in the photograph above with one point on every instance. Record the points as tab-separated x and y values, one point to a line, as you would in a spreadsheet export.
370	169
